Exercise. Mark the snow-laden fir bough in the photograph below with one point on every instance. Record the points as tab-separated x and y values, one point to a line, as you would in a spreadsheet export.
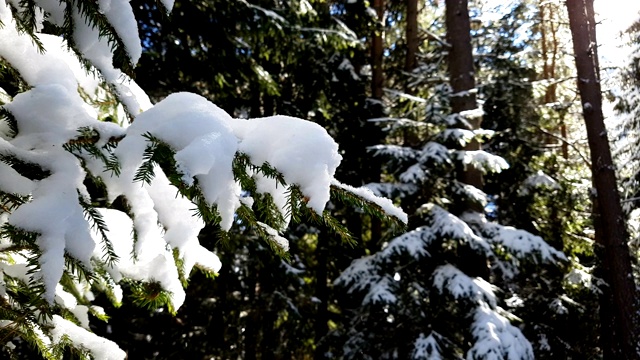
79	135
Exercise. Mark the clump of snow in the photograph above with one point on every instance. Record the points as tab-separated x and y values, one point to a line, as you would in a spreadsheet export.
380	292
426	348
482	160
387	205
538	180
414	242
496	338
301	150
450	279
433	152
359	275
152	263
99	347
204	142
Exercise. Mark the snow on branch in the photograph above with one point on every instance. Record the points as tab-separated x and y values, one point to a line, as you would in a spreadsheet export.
482	160
427	347
360	275
414	243
538	180
181	157
450	226
520	243
447	278
459	136
470	192
394	151
496	338
435	153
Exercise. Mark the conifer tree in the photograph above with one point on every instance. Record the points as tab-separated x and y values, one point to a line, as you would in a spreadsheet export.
449	287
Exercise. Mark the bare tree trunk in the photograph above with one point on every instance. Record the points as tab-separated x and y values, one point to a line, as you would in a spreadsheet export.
550	49
321	325
618	303
376	52
461	74
411	35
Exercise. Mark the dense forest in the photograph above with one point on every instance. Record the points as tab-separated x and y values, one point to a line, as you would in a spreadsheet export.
319	179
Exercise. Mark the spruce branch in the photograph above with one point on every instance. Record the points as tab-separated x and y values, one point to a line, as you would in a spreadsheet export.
8	118
9	202
150	295
26	21
242	162
78	269
369	207
29	170
86	141
96	220
90	11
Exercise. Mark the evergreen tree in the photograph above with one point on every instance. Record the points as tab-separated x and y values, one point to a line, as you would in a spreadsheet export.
451	285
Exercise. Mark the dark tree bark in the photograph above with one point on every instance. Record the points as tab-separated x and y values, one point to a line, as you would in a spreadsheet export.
321	325
618	303
461	74
377	52
411	35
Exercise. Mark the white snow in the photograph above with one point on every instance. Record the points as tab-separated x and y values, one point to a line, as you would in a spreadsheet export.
380	292
414	174
472	114
279	240
538	180
359	275
520	243
393	151
99	347
450	226
482	160
387	205
460	136
448	278
426	348
301	150
414	242
435	152
204	140
496	338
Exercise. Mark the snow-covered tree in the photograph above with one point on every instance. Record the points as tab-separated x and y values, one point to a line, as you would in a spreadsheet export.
101	188
452	286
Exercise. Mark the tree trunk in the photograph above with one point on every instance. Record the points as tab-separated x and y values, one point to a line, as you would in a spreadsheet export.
461	75
321	326
411	35
550	48
377	52
620	297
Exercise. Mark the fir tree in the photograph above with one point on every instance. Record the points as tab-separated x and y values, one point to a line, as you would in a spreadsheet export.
450	287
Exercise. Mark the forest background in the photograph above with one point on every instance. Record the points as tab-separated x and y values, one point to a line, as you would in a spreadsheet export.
470	116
